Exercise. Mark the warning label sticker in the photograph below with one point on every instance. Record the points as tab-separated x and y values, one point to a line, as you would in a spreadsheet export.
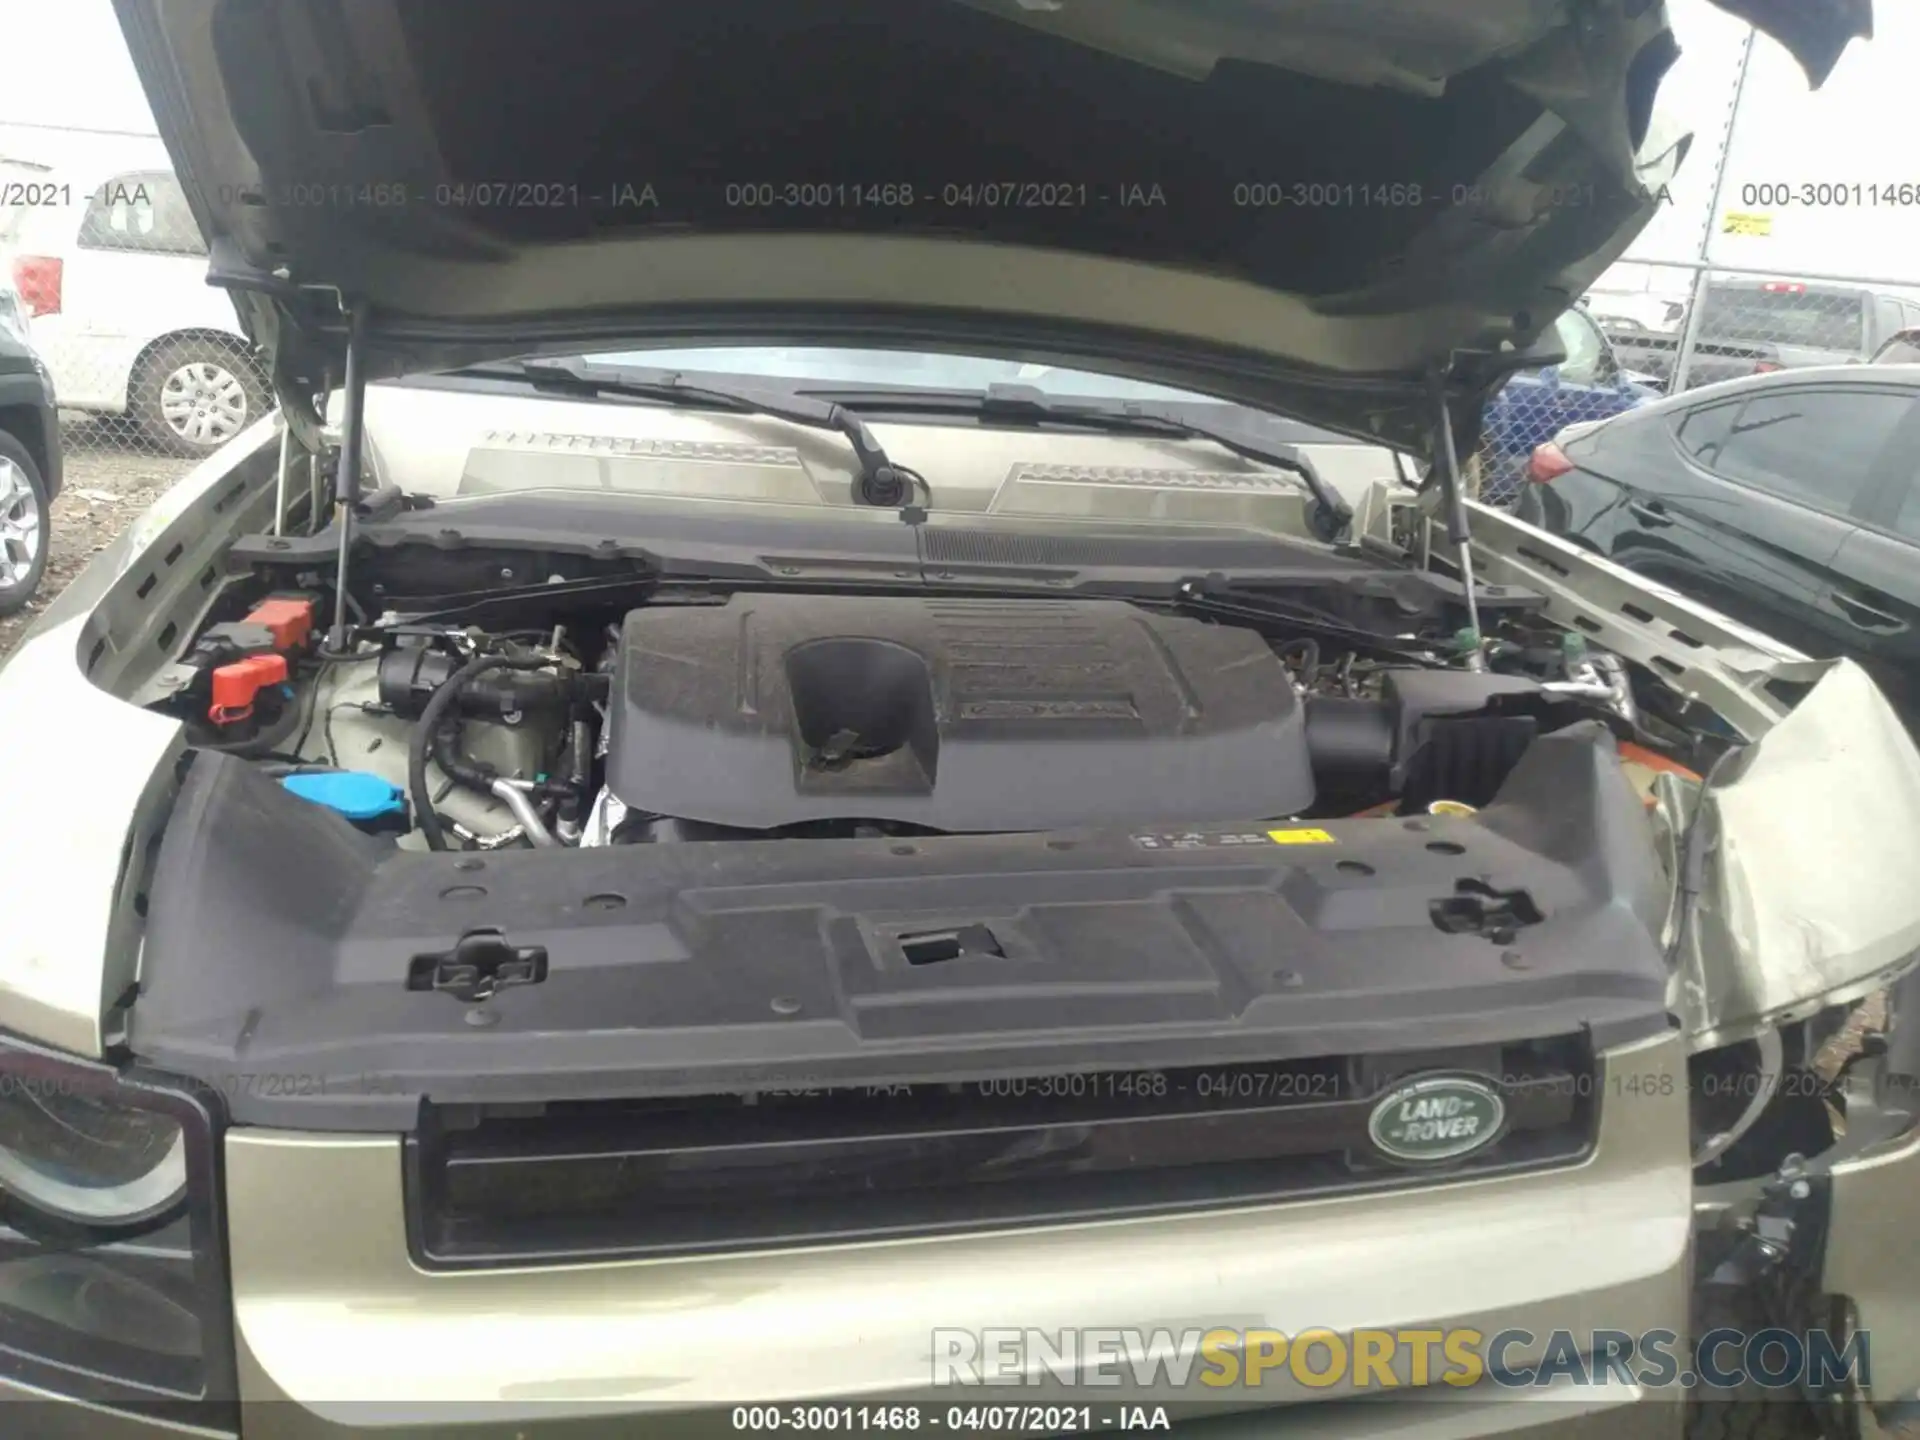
1229	839
1736	222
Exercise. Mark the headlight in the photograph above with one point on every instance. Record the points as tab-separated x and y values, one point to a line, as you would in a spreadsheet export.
113	1281
87	1160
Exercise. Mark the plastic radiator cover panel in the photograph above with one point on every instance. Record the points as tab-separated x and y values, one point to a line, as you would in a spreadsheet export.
281	943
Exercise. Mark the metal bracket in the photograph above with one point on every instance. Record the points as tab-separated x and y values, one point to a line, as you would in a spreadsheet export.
1780	1256
1701	654
1789	1218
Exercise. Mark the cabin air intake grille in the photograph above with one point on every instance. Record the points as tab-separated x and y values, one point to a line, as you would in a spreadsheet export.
638	448
1152	479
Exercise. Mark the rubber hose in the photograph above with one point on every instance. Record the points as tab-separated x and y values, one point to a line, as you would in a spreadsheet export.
446	754
420	745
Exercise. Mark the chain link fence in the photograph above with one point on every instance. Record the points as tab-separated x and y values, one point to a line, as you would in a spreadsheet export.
109	269
1627	347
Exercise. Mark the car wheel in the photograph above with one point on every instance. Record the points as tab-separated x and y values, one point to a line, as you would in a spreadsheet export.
1748	1412
23	525
193	395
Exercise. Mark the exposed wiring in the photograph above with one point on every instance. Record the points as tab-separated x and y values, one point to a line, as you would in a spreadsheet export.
278	759
306	729
327	657
333	753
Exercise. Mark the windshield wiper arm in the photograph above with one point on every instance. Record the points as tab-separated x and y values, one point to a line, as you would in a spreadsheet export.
881	482
1328	515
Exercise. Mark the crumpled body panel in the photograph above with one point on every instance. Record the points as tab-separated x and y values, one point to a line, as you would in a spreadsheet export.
1812	889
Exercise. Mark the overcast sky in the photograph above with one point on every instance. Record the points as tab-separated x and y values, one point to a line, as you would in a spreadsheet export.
68	66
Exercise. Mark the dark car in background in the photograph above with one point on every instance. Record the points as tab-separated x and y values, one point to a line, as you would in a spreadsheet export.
29	457
1788	501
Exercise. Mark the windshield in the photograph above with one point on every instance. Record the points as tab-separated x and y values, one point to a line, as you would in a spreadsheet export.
970	432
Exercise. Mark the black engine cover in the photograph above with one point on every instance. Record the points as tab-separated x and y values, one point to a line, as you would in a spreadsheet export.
954	714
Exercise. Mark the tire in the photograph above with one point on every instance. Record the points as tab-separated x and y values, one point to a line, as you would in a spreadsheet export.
193	394
25	525
1748	1420
1749	1411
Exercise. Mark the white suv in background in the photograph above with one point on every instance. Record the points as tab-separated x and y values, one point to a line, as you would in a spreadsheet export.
114	274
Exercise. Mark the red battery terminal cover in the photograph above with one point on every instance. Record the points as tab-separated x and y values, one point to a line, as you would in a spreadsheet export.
235	686
288	620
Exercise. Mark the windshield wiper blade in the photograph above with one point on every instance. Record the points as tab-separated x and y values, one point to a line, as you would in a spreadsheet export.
1328	515
881	482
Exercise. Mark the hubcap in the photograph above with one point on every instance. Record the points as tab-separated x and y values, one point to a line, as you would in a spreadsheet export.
204	403
19	524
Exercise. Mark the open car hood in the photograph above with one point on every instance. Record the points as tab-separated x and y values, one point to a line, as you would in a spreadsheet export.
1304	204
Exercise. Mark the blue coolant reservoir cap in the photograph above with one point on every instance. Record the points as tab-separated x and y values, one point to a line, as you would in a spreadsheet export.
353	793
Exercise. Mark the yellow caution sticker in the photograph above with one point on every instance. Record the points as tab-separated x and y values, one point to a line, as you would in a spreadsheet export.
1228	839
1746	222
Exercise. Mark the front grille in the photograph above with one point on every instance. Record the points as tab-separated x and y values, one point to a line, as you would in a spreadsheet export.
606	1179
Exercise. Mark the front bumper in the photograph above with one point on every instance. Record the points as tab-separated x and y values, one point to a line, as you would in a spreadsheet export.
339	1332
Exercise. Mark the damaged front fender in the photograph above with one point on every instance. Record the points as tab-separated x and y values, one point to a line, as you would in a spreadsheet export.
1809	897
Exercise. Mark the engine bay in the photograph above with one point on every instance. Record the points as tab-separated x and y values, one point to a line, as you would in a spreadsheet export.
655	713
1200	792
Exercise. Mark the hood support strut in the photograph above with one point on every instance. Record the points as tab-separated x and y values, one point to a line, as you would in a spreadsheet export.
346	485
1446	469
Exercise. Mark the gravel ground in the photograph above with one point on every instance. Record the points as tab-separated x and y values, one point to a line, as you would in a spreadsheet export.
109	482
